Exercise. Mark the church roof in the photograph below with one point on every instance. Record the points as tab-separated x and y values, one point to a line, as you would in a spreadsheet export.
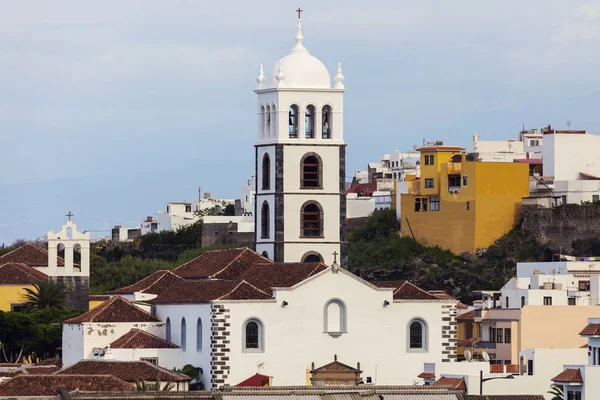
12	273
267	276
138	339
116	309
29	254
404	290
47	385
220	264
195	292
129	371
153	283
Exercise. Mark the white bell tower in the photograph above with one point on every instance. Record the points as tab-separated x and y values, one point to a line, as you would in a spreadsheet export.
300	208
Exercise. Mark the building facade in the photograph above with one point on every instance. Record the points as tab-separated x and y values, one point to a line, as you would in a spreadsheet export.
460	204
300	208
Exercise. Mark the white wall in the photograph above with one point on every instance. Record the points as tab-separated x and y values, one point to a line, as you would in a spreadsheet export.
72	343
566	155
358	207
167	358
294	338
191	312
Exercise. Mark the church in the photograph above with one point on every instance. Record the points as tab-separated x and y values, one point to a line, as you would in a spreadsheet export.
289	311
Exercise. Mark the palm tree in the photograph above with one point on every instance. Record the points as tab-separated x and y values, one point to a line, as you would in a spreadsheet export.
45	294
557	392
142	386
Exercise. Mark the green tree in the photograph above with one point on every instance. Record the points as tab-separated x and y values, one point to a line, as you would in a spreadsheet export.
142	386
557	392
45	294
194	373
18	334
229	210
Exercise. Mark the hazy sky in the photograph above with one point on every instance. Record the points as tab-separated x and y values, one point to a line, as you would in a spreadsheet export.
109	109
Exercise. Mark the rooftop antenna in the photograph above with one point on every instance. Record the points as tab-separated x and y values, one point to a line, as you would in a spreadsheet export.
568	124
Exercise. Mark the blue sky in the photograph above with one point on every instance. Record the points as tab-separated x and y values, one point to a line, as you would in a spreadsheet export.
109	109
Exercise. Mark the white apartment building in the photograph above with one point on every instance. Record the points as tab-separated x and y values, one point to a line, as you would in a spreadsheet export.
394	166
529	145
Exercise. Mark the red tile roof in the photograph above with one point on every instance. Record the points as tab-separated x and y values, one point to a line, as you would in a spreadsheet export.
468	316
29	254
569	375
127	370
255	380
406	290
461	306
194	292
440	294
454	383
154	283
116	309
364	189
13	273
245	291
426	375
267	276
137	339
47	385
41	370
98	297
221	264
590	330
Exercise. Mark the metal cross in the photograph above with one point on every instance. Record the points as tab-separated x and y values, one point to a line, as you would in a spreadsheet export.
69	215
299	10
335	254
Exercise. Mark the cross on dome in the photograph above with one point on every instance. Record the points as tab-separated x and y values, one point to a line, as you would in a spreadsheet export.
299	11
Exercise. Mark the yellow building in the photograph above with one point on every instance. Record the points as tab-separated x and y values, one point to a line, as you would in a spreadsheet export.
14	279
96	299
460	204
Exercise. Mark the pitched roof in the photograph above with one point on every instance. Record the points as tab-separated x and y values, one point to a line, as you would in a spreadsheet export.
41	369
426	375
468	316
366	189
454	383
267	276
137	339
154	283
127	370
47	385
98	297
13	273
194	292
116	309
591	330
29	254
221	264
569	375
255	380
406	290
440	294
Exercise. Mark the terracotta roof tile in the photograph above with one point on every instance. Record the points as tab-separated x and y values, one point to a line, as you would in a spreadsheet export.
461	306
127	370
98	297
137	339
267	276
13	273
41	370
29	254
47	385
155	283
468	316
426	375
10	374
440	294
454	383
221	264
406	290
245	291
256	380
194	292
116	309
591	330
569	375
366	189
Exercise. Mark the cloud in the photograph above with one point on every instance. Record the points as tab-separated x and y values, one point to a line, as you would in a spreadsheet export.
583	26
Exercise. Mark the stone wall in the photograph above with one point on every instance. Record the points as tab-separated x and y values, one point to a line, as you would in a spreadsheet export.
78	290
558	227
226	234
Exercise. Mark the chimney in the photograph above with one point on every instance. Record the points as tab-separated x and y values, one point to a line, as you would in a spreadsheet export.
149	218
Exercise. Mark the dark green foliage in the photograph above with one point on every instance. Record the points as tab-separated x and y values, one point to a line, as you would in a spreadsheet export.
557	392
167	245
45	295
376	252
586	247
194	373
229	210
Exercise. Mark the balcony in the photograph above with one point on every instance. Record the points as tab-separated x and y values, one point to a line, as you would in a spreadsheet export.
454	168
453	189
486	345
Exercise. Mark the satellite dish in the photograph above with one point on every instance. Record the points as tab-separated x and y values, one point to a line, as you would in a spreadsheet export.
468	355
485	356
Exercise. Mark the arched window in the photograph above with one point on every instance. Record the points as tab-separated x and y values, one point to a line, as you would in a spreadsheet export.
168	329
253	335
311	167
199	335
183	334
311	220
264	221
265	254
312	257
326	122
334	317
309	119
417	335
266	172
293	121
262	122
268	122
273	121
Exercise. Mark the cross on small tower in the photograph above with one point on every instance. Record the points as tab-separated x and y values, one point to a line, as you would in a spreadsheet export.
299	11
335	254
69	215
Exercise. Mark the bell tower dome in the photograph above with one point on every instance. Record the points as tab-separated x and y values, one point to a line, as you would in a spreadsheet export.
300	208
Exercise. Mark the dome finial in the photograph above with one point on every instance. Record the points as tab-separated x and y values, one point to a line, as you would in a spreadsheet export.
339	77
299	36
261	78
280	75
